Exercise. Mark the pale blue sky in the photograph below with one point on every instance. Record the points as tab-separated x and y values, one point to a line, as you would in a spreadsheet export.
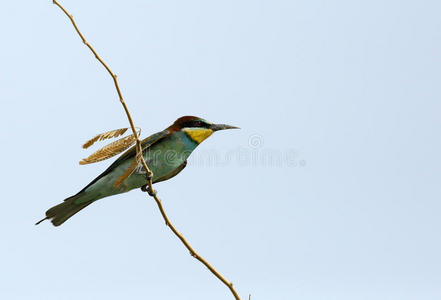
331	189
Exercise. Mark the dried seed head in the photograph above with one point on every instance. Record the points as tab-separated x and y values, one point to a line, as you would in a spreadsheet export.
103	136
110	150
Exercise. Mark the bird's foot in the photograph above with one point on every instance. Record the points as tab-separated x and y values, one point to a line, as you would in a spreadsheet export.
145	188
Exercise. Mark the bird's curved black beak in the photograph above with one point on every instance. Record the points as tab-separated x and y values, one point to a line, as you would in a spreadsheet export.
216	127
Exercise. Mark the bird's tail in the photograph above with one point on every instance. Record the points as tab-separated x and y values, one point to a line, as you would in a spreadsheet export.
63	211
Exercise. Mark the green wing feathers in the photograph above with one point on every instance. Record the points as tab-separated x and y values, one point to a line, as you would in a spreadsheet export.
70	206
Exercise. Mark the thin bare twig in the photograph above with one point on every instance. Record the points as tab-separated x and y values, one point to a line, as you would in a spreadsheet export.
149	173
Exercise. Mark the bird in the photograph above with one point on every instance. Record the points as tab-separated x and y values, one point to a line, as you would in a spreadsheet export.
165	152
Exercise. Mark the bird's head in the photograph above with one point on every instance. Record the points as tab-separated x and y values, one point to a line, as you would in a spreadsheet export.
197	128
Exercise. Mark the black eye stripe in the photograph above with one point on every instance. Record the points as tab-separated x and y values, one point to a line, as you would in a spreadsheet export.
195	123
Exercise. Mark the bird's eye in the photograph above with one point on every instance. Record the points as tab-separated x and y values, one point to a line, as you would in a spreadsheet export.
198	124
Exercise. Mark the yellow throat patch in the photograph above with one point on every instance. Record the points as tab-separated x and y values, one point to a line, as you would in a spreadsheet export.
198	134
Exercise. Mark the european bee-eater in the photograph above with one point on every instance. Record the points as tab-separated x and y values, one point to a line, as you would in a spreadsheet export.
165	153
